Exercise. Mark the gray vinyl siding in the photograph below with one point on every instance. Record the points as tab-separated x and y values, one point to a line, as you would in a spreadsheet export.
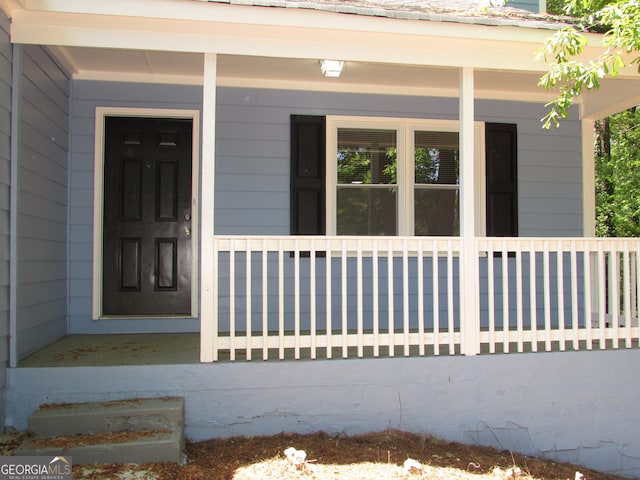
6	58
42	201
531	5
252	166
87	95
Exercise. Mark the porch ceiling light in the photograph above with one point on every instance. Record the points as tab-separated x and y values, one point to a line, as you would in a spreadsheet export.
331	68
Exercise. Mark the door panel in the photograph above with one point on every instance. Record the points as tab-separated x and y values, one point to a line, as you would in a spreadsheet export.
147	216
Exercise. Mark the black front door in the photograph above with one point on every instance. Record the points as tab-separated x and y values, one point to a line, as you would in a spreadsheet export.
147	216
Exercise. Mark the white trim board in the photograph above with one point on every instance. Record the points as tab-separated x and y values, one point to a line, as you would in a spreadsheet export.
98	197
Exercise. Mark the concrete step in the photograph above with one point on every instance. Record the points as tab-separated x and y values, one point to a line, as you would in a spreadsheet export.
139	430
64	419
134	447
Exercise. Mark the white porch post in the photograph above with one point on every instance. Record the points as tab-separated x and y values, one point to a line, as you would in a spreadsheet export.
208	313
469	309
588	178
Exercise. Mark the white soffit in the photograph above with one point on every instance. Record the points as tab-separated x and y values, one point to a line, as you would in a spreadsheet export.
287	73
105	60
613	96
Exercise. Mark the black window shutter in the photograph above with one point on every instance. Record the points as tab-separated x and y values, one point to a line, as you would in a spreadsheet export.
307	175
502	194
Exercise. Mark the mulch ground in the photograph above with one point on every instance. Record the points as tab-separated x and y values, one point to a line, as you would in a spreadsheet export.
234	458
374	456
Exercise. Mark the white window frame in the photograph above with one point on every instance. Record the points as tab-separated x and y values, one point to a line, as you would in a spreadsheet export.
405	128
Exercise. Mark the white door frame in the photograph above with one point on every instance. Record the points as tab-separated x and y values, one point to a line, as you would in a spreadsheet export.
98	196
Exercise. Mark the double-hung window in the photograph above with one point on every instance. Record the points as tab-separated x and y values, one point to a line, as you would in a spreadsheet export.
396	176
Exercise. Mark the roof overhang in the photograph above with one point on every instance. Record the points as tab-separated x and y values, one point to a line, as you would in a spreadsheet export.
164	41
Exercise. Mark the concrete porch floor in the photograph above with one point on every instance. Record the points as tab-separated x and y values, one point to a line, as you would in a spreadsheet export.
117	350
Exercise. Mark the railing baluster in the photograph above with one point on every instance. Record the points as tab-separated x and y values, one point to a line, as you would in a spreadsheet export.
588	299
519	314
634	283
420	260
265	300
614	293
405	296
232	302
296	299
533	301
359	298
491	300
627	295
436	297
505	297
248	299
574	296
560	285
280	300
345	350
547	295
451	325
312	298
328	294
376	290
602	290
390	294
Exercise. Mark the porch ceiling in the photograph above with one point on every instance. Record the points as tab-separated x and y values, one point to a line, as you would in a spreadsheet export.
291	73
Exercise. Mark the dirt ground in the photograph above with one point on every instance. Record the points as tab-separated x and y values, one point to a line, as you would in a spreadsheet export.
373	456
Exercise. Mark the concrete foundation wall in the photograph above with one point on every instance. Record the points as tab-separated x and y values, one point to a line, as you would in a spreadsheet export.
578	407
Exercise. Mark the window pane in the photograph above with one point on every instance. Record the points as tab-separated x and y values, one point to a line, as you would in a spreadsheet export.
366	156
437	211
436	158
366	211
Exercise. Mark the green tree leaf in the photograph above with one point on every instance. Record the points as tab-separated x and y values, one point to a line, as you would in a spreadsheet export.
620	22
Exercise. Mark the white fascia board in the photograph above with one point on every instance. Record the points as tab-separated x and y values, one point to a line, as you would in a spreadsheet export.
261	40
248	18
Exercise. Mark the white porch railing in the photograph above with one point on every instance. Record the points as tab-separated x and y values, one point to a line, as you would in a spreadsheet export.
324	297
